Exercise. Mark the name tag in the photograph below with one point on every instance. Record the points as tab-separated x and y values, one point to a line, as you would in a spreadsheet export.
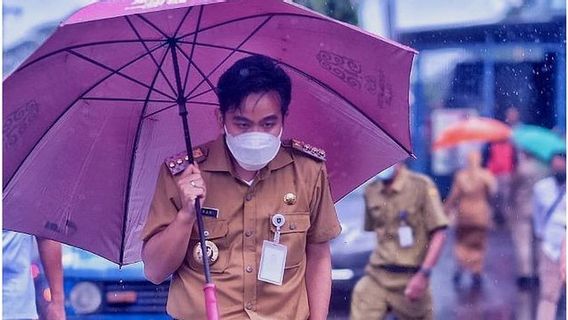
405	237
272	262
210	212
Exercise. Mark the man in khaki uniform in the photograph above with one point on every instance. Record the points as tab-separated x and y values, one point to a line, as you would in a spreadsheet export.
259	187
405	211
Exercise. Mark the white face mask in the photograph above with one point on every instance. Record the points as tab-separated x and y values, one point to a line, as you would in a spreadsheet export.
253	150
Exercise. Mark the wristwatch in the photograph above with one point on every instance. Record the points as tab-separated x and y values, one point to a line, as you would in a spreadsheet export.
425	271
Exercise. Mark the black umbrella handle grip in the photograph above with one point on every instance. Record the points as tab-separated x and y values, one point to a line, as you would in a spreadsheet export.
202	239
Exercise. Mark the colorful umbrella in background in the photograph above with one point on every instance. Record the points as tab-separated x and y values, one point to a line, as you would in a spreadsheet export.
475	129
538	141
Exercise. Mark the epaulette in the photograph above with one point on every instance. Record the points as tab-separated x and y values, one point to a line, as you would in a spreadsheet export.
177	163
305	148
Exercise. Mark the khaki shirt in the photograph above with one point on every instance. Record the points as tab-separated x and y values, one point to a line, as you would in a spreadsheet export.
415	194
239	231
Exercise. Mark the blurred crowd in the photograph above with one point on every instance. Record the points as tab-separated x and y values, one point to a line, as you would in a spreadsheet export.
515	183
526	194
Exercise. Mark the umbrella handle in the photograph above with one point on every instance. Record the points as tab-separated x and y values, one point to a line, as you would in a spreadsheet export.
211	301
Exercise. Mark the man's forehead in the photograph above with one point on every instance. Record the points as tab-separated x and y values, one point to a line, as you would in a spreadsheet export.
238	115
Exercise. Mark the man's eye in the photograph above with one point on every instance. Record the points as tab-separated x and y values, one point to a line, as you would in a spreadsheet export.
269	124
243	125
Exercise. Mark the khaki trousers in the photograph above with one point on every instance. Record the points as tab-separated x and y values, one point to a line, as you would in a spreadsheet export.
550	287
371	300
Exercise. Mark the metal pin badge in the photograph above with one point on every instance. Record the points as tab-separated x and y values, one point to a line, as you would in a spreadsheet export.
212	252
278	220
290	198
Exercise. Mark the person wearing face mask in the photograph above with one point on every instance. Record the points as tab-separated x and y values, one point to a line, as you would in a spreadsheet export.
270	214
549	200
405	211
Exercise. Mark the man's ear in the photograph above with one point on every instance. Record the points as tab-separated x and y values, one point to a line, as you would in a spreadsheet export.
220	120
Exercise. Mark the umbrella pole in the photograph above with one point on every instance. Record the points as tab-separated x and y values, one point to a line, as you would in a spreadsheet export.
209	289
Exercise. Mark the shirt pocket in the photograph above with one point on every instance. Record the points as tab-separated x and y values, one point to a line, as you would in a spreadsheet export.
293	234
377	211
216	232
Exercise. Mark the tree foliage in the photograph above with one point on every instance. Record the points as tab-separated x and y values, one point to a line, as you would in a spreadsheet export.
343	10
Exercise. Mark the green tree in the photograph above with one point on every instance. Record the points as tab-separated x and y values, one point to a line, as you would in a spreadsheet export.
343	10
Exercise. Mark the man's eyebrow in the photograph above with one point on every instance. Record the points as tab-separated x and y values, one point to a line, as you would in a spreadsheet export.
270	118
241	118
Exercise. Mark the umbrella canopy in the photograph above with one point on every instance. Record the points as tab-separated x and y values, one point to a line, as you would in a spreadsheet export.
539	141
476	129
93	113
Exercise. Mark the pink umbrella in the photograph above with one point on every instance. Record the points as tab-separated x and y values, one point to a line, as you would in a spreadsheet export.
92	114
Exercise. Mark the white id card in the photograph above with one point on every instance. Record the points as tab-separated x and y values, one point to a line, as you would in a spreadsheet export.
405	238
272	262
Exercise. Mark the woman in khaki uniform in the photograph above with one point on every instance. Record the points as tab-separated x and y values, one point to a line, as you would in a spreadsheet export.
470	194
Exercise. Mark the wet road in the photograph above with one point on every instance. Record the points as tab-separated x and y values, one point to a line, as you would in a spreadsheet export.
498	299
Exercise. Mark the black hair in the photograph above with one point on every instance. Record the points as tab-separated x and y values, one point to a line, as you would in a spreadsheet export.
254	74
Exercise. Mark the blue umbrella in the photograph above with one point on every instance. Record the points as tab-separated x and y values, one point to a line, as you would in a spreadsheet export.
541	142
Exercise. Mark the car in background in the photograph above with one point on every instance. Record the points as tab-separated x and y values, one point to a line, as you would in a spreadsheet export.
96	288
350	251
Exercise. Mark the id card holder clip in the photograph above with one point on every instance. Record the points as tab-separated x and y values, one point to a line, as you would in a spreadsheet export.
273	256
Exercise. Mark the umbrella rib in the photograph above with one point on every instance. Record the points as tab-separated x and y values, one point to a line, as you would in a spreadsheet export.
200	94
119	73
183	20
188	101
65	49
133	159
204	103
152	25
175	105
230	54
191	63
81	96
321	83
151	55
253	17
192	50
158	111
125	99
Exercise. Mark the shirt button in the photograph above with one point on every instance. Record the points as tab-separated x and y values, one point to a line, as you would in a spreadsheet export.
249	269
248	197
249	306
248	234
293	226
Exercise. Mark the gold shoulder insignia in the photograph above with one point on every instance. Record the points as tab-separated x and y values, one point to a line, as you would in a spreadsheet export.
312	151
178	162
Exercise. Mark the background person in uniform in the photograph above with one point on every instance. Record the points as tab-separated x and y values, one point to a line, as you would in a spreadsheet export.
529	170
18	292
550	227
471	190
249	177
405	210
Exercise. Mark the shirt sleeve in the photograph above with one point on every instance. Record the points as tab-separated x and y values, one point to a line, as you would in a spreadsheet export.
323	217
434	214
164	206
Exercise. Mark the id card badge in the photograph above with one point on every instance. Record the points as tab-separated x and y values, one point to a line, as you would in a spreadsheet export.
405	237
272	262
